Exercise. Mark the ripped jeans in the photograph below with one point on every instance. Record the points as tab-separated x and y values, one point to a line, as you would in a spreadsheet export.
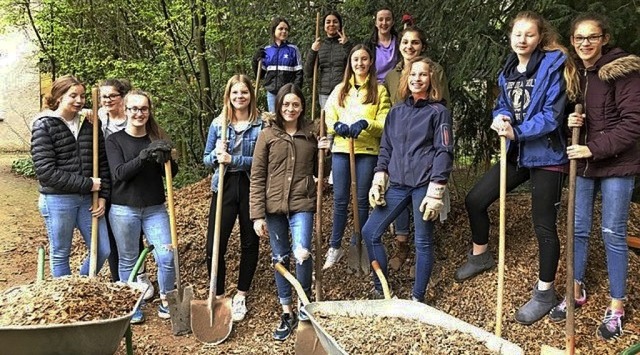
301	226
126	223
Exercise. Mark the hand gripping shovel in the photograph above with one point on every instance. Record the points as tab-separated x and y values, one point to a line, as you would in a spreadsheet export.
178	299
211	320
358	260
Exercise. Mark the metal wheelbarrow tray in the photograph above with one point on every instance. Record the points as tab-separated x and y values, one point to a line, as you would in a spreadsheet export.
91	337
404	309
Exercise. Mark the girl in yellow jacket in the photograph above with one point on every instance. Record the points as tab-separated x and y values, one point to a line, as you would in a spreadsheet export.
356	109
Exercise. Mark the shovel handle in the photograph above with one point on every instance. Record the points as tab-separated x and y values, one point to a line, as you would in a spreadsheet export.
354	187
40	276
139	262
383	280
258	78
172	221
293	281
93	259
501	246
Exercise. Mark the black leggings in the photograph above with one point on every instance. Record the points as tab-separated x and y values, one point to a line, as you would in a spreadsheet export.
235	203
546	190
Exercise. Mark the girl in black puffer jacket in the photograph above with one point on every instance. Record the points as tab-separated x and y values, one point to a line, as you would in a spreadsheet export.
62	153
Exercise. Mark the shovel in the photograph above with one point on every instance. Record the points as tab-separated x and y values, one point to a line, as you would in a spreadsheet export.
178	299
211	320
569	295
93	250
503	201
383	280
358	260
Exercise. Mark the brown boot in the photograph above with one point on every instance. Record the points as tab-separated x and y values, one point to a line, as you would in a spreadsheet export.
400	255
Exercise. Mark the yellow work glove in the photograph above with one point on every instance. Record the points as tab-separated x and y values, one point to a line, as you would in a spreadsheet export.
432	203
379	186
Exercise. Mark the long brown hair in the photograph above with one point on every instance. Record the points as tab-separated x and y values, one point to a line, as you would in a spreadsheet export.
550	41
289	88
153	129
59	87
436	88
371	84
228	111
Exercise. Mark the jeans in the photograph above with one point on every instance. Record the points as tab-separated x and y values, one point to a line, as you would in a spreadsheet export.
322	100
301	226
271	101
402	222
113	256
342	188
62	213
235	205
616	198
546	190
398	198
127	222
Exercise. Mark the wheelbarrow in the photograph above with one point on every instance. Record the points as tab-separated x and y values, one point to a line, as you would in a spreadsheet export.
396	308
90	337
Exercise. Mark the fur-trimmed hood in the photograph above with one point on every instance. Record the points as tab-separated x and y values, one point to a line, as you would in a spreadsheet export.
616	64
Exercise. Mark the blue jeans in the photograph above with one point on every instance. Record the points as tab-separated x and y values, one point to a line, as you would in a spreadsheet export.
616	198
402	222
398	197
63	213
342	189
301	226
271	102
126	223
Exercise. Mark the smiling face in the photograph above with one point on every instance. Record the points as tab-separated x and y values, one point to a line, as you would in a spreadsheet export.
588	40
384	22
291	109
240	96
419	78
360	63
525	37
281	32
110	99
137	111
72	101
410	45
331	26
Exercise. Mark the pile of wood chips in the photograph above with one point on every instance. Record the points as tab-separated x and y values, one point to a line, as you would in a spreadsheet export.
64	301
391	335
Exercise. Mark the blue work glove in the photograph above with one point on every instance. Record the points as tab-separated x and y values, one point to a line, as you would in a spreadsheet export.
341	129
357	127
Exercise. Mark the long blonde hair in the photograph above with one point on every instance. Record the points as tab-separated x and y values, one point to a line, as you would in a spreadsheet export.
228	111
436	87
550	41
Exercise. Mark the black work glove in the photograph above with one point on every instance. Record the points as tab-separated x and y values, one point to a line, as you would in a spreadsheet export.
357	127
146	155
161	156
260	54
341	129
160	144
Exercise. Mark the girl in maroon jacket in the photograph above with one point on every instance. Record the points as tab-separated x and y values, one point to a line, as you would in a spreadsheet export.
608	158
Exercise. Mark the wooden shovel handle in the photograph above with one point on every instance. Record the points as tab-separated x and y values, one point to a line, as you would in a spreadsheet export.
93	259
258	78
354	186
383	280
320	187
294	282
503	202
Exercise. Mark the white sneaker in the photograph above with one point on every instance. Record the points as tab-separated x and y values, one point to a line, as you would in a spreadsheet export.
330	179
144	278
333	256
238	308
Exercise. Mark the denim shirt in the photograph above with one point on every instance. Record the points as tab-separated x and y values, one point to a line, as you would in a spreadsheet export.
238	162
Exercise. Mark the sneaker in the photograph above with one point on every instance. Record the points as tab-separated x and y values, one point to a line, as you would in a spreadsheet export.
144	278
611	326
559	312
288	322
333	256
138	316
163	311
238	308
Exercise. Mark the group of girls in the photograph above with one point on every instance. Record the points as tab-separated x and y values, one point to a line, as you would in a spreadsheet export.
132	151
404	157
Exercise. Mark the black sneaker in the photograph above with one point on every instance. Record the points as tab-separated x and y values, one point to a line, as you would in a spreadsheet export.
288	322
559	312
611	326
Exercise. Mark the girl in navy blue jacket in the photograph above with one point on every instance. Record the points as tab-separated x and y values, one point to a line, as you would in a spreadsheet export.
413	169
530	114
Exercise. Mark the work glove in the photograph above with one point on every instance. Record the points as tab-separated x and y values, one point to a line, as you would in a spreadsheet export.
260	54
260	227
161	156
357	127
341	129
432	203
146	155
160	144
379	186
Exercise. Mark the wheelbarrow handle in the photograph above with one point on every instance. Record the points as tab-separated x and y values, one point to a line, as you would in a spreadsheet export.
294	282
383	280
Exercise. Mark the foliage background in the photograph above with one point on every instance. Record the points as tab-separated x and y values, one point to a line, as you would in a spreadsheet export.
183	51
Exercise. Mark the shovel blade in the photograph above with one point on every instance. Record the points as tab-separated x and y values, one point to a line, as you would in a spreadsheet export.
179	308
307	341
201	321
365	264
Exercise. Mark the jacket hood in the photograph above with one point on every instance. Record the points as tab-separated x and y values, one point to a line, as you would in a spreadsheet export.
620	64
511	65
